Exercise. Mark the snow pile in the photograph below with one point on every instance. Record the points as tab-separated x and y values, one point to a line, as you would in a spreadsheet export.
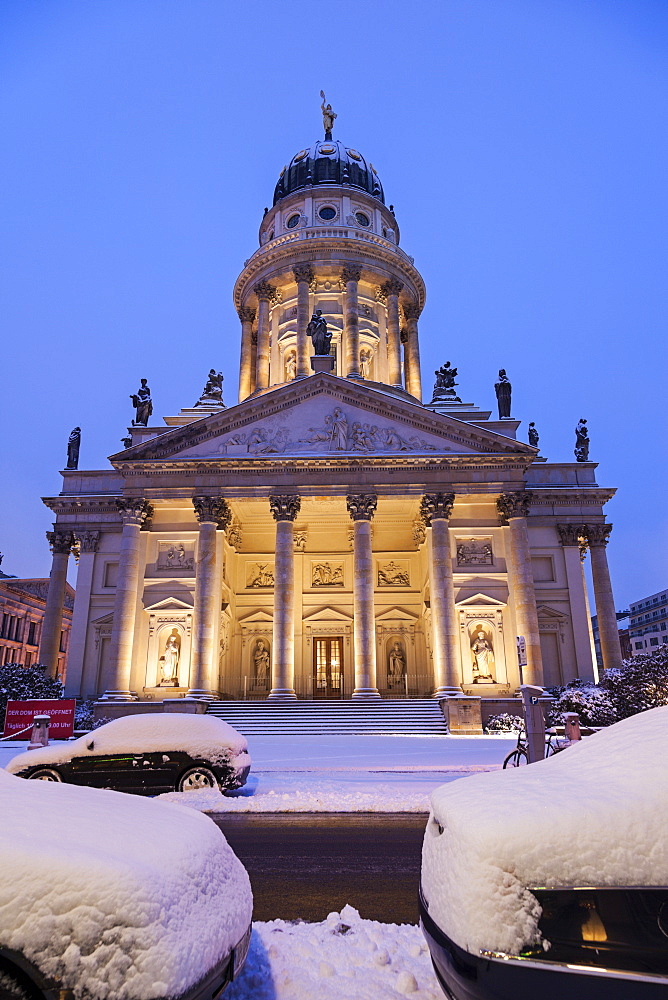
115	895
202	736
592	815
342	958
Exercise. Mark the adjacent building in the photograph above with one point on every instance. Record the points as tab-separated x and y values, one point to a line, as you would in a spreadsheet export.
22	609
648	623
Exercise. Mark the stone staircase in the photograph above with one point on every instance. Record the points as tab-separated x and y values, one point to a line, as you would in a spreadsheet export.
415	716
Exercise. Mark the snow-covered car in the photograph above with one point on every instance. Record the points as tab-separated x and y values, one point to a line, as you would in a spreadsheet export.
106	896
552	880
147	754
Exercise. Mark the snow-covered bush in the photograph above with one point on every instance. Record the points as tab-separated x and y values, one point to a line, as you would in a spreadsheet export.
84	719
504	723
19	683
640	683
591	701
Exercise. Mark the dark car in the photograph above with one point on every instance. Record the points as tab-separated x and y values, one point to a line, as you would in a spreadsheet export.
145	754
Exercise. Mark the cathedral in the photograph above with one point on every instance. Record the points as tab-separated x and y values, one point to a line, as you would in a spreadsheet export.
338	532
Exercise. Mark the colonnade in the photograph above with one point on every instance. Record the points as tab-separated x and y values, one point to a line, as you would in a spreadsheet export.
213	515
255	343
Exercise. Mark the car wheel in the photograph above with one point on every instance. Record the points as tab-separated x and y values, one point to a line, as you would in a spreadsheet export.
45	774
195	778
12	988
516	758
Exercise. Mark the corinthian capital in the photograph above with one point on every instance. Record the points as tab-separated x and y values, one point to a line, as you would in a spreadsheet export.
436	506
303	272
571	534
514	504
264	290
61	542
361	506
246	314
212	510
350	272
391	287
134	510
285	506
87	541
597	534
411	310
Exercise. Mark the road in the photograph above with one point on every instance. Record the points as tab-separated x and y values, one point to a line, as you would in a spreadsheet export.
308	864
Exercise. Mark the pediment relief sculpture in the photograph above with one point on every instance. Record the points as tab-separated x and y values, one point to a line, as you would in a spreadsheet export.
175	557
474	552
260	575
326	574
393	574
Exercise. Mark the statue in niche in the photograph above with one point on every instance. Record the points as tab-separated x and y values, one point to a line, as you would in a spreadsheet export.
290	366
143	404
533	435
482	653
263	576
366	355
582	441
317	331
396	667
261	662
73	444
169	661
213	390
392	575
503	390
444	387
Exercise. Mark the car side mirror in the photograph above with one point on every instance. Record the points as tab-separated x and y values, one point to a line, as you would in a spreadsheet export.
89	746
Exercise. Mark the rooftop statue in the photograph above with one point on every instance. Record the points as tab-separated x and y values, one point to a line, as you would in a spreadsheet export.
533	435
444	387
213	390
317	331
328	116
503	390
73	444
143	405
582	441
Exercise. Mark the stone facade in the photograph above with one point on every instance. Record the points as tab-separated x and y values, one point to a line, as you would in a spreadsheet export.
329	535
22	609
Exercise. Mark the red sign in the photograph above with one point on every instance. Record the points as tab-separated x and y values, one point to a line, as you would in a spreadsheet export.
21	713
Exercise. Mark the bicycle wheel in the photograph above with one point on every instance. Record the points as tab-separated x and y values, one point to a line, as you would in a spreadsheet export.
516	758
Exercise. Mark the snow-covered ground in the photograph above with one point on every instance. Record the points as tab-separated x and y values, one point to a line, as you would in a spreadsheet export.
342	958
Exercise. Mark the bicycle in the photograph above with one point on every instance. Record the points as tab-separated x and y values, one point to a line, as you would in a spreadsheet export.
520	755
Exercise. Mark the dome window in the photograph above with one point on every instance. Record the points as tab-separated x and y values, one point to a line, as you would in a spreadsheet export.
327	213
293	221
362	219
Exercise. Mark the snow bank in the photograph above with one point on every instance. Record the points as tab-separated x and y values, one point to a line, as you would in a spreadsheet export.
115	895
592	815
342	958
202	736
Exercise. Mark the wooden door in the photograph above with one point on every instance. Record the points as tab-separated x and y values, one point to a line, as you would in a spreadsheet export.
327	667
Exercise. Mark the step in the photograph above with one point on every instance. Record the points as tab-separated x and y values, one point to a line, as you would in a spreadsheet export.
332	718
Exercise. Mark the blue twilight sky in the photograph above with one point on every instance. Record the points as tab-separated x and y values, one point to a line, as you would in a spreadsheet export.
523	143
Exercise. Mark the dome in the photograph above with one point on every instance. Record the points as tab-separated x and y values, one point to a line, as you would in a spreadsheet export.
328	162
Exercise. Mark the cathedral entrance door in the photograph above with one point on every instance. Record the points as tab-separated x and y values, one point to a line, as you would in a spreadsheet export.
327	667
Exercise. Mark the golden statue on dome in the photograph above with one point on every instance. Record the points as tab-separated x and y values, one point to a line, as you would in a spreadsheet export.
328	117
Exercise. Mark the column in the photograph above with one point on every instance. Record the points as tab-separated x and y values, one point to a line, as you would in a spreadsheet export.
350	275
362	507
436	509
514	508
87	542
411	343
303	276
571	537
284	509
134	511
597	536
391	291
61	542
212	514
247	317
265	294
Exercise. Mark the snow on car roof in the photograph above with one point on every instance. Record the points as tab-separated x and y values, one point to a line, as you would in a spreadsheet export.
202	736
116	895
592	815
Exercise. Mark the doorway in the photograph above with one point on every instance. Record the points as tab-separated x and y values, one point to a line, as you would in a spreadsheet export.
327	667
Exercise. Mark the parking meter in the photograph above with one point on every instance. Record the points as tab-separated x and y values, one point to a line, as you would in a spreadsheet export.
534	720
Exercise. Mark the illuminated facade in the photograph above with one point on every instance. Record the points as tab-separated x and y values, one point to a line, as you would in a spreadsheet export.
330	535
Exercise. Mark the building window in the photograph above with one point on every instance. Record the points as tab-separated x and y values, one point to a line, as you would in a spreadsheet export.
32	627
292	221
654	642
327	213
638	645
362	219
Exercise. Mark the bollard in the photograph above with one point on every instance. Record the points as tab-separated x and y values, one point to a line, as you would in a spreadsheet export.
40	732
534	721
572	724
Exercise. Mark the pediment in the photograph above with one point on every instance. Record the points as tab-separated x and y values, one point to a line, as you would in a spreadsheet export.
396	615
327	615
480	600
169	604
323	416
256	616
550	614
104	620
